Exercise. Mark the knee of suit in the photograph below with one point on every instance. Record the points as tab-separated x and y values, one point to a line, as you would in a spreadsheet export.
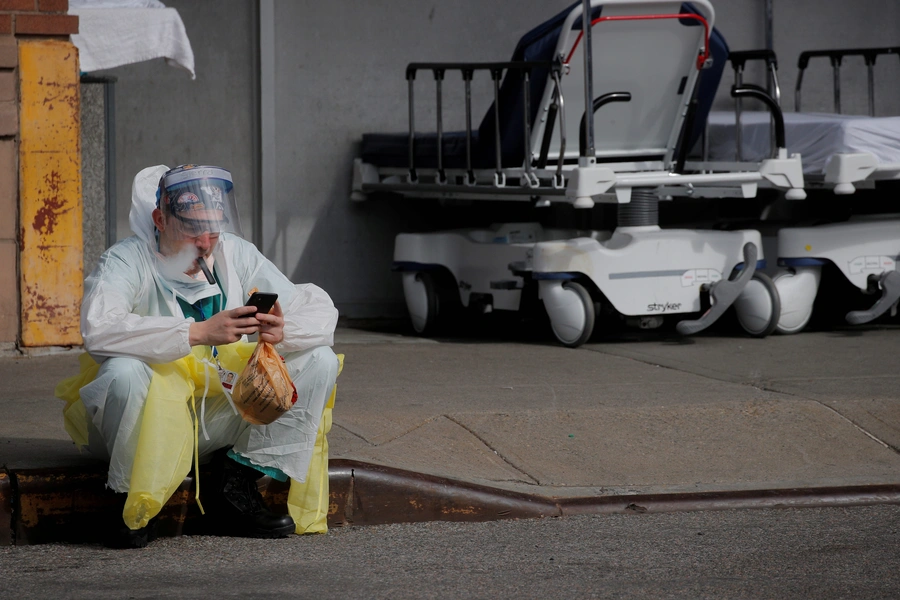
319	363
328	360
129	379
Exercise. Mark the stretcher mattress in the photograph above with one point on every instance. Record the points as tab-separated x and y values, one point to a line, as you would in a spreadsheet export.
815	136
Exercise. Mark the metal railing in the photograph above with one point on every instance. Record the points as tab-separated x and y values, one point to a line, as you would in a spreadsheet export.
773	90
496	70
870	55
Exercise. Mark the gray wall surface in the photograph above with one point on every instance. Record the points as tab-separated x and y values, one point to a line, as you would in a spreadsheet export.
93	172
339	73
814	25
164	117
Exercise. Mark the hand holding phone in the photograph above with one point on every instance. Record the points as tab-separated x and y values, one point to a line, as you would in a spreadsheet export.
225	327
263	301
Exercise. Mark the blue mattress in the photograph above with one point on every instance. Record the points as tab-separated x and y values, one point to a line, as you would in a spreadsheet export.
392	149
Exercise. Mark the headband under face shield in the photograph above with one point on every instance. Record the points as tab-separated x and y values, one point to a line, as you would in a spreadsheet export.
196	200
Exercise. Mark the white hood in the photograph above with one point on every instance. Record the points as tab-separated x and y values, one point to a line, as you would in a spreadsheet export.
169	276
143	202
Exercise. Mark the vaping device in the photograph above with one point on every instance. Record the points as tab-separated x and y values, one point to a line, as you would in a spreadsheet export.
206	272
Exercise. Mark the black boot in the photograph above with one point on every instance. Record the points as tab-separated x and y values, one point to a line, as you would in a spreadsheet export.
118	535
236	507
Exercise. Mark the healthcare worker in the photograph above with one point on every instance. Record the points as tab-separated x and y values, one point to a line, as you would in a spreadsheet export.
181	283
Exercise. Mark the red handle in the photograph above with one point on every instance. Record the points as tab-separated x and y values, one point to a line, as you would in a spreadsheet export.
700	60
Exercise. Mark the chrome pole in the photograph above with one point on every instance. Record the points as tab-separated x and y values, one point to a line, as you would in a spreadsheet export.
836	68
871	69
588	77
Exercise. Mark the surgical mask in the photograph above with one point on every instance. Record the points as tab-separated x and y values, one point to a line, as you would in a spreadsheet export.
172	275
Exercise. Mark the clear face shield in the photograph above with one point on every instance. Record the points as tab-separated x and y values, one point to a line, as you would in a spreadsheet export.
197	200
197	204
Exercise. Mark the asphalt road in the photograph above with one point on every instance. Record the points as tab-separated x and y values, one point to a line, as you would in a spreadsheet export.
780	553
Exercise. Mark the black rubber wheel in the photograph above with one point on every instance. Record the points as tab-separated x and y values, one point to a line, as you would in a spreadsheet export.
433	304
443	307
575	340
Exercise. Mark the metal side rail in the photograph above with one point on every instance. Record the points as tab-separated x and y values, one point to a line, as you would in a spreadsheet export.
599	182
782	172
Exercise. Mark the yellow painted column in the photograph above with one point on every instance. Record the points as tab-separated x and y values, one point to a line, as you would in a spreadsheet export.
50	203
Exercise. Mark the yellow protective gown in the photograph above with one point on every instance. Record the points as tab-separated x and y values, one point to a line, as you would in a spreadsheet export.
169	433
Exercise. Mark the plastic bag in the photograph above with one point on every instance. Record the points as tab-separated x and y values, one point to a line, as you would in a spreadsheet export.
264	390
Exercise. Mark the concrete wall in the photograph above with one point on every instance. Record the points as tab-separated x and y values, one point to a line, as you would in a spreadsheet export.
338	73
813	25
808	24
93	172
164	117
9	193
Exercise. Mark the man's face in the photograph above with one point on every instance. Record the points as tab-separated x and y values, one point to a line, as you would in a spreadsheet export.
197	230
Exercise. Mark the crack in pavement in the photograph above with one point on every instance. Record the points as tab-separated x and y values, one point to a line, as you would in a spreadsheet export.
353	433
840	415
532	481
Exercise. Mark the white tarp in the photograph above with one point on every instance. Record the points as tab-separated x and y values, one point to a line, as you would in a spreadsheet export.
112	33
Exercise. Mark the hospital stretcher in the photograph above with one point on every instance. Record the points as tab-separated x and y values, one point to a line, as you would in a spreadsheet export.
841	153
649	71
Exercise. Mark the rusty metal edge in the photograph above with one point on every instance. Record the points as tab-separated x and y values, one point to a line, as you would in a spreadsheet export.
378	495
66	504
370	494
534	505
51	503
6	509
810	497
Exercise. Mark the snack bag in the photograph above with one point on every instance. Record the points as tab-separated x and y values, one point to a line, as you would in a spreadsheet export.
264	390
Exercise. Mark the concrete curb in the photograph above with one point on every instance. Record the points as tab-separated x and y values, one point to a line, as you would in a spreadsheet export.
67	504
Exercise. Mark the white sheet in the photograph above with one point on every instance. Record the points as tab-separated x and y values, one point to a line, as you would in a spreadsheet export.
815	136
79	4
110	37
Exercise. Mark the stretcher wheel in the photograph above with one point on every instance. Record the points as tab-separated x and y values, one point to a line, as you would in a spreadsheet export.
797	289
432	301
422	301
574	326
758	307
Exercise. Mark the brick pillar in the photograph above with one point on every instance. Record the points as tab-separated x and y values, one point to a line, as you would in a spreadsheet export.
40	175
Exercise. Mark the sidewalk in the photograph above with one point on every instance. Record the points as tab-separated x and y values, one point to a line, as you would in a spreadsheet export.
466	429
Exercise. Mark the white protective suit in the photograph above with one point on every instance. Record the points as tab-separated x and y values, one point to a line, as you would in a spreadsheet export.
130	318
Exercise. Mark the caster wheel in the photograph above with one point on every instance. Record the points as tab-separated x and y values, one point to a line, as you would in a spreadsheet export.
758	307
422	301
574	314
432	300
797	290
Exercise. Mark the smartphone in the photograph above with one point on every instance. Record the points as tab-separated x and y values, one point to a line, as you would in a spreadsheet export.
263	301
